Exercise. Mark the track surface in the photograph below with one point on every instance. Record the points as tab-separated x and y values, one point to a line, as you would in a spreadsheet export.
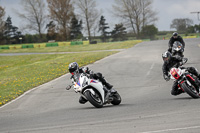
147	105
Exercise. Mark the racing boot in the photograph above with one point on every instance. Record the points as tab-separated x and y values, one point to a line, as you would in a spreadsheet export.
82	100
110	87
176	92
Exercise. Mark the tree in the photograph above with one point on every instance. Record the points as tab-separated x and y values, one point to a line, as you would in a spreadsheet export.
11	32
2	14
61	11
119	33
149	31
34	15
193	29
135	13
89	13
181	24
197	28
76	28
103	26
51	31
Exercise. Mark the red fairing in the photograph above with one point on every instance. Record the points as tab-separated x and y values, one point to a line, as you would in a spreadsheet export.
175	74
190	77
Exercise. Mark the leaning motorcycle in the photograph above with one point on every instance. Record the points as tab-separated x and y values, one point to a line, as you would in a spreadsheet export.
177	49
94	91
186	81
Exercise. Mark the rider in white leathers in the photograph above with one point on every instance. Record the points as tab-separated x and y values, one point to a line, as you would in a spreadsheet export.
74	69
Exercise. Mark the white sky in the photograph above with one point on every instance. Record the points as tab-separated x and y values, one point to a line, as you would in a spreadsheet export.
167	11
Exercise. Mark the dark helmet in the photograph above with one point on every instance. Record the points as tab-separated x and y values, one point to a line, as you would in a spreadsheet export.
166	56
175	34
73	68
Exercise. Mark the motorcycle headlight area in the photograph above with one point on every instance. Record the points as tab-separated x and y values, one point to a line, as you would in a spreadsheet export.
77	88
84	82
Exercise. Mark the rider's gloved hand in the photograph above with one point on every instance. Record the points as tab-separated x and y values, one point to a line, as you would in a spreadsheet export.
68	87
86	69
181	63
166	77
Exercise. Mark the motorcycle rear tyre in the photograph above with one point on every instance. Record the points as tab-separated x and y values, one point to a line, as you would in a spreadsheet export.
116	99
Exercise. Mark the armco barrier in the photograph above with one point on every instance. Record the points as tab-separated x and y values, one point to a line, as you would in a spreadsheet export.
28	46
86	42
64	43
77	43
39	45
5	47
15	47
51	44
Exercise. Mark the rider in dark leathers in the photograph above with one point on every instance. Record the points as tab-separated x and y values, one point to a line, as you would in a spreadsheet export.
74	69
175	61
175	37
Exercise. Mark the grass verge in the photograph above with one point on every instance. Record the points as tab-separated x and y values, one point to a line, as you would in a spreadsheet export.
21	73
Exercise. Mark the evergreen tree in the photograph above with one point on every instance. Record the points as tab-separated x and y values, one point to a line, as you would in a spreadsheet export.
103	26
51	31
75	29
149	31
119	33
11	32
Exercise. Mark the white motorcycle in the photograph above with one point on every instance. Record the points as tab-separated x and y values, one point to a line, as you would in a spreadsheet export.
94	91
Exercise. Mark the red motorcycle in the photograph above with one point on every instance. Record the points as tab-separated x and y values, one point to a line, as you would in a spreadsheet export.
186	81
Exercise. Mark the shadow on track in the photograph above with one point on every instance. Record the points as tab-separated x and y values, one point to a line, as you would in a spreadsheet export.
106	107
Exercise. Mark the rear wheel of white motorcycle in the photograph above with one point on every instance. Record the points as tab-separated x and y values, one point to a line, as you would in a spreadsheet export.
116	99
190	90
95	100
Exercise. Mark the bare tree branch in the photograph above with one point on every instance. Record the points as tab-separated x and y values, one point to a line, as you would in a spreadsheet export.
34	15
89	13
136	13
62	12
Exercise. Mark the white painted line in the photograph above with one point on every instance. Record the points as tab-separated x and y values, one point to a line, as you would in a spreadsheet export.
148	73
173	129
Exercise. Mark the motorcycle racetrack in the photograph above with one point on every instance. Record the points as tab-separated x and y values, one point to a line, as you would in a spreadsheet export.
147	104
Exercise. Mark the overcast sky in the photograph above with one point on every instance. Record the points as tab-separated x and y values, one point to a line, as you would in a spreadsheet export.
167	11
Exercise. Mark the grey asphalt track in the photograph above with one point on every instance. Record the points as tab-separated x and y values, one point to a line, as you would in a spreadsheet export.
147	105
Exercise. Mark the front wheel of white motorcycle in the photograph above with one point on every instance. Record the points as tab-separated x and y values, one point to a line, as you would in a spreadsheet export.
95	100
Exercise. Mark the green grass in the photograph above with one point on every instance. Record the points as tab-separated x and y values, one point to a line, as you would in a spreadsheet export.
76	48
21	73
